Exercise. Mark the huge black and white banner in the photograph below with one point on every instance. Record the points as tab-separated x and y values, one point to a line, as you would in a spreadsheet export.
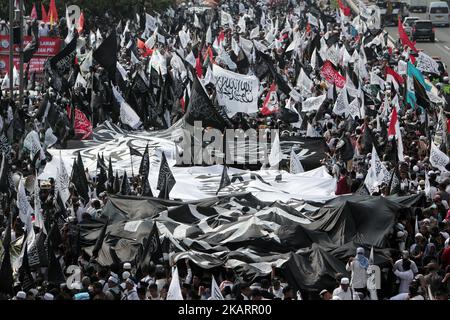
237	92
438	159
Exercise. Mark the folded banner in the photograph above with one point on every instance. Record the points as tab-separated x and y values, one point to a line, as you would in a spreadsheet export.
238	93
331	75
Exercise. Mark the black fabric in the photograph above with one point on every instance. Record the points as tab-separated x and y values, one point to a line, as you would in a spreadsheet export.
200	108
106	55
6	271
144	167
79	179
166	180
224	180
315	147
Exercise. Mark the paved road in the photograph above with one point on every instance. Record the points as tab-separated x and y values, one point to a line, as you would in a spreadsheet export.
440	48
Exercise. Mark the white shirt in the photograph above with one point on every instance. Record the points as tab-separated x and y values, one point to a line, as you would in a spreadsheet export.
130	295
398	265
359	275
345	295
406	277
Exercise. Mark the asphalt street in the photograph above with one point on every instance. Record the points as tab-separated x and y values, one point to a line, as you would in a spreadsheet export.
440	48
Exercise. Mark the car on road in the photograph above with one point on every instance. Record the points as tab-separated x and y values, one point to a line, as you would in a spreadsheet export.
407	24
438	13
422	29
417	5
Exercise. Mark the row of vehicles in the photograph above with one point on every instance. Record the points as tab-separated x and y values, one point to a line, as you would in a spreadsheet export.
436	11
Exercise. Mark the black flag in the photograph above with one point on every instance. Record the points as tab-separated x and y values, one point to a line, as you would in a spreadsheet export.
134	152
166	180
110	171
147	191
102	179
200	108
25	276
125	188
6	272
101	163
63	61
79	179
225	180
99	242
33	46
106	55
421	95
6	185
55	273
152	250
144	168
116	186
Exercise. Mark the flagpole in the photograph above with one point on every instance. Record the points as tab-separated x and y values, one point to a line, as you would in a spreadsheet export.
132	172
21	54
11	49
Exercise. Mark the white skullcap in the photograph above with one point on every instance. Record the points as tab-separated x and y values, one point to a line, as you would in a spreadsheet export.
127	266
21	295
48	296
125	275
345	281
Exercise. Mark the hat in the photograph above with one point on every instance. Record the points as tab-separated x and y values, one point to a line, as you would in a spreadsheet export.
422	182
360	250
21	295
125	275
405	254
48	296
418	235
323	292
113	280
345	281
130	281
444	234
33	291
127	266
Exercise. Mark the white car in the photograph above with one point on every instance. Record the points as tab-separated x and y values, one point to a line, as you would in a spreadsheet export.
407	24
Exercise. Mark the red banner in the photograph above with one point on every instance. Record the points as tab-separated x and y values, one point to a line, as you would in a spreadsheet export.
331	75
48	47
82	127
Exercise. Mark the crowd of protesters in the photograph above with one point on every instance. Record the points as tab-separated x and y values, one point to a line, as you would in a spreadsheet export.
420	264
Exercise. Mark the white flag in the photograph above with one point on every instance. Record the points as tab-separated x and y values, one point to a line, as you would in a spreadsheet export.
215	291
235	47
50	139
241	24
134	59
197	22
312	20
311	132
62	181
150	22
25	209
254	33
38	218
341	104
295	164
276	154
438	159
208	37
190	58
127	115
313	103
427	64
427	186
174	292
